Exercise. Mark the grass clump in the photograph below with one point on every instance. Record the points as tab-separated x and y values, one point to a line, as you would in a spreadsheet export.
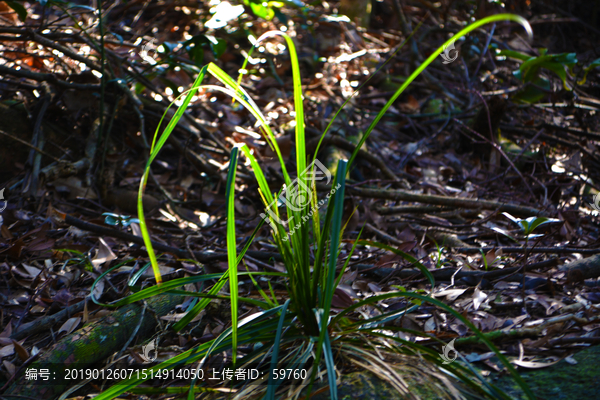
303	333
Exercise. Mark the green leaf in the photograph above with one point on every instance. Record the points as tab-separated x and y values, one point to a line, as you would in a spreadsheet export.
272	385
19	9
514	54
534	222
328	289
116	219
135	277
261	11
529	70
154	150
248	333
594	64
528	225
218	46
195	48
232	248
534	92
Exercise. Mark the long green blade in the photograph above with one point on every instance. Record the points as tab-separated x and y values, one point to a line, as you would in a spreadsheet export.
232	248
494	18
153	153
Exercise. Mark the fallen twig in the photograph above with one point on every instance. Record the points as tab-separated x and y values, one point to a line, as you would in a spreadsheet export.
402	195
445	274
41	77
46	322
202	256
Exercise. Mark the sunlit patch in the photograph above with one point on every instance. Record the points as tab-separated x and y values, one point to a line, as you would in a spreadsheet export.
167	215
223	13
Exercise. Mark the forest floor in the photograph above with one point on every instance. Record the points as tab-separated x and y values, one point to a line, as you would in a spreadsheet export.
459	172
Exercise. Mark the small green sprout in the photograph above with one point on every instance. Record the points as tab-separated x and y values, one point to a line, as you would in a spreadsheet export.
528	225
117	219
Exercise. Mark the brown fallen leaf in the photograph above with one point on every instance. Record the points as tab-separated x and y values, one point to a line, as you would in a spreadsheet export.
105	254
70	325
21	351
7	330
10	367
341	299
411	105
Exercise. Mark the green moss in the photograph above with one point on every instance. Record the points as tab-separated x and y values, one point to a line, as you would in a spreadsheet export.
562	381
362	385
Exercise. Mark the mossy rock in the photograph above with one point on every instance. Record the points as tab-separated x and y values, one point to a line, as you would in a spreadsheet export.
562	381
361	386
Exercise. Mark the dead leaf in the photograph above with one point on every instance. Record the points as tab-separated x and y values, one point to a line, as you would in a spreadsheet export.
349	277
15	250
474	357
374	288
411	105
478	298
407	235
187	182
490	257
74	188
21	351
135	229
5	232
7	351
451	294
70	325
535	364
7	331
10	367
177	317
571	360
40	244
430	325
33	271
341	299
149	273
104	254
98	289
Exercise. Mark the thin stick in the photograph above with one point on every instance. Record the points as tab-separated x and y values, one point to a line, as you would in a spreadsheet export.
42	152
